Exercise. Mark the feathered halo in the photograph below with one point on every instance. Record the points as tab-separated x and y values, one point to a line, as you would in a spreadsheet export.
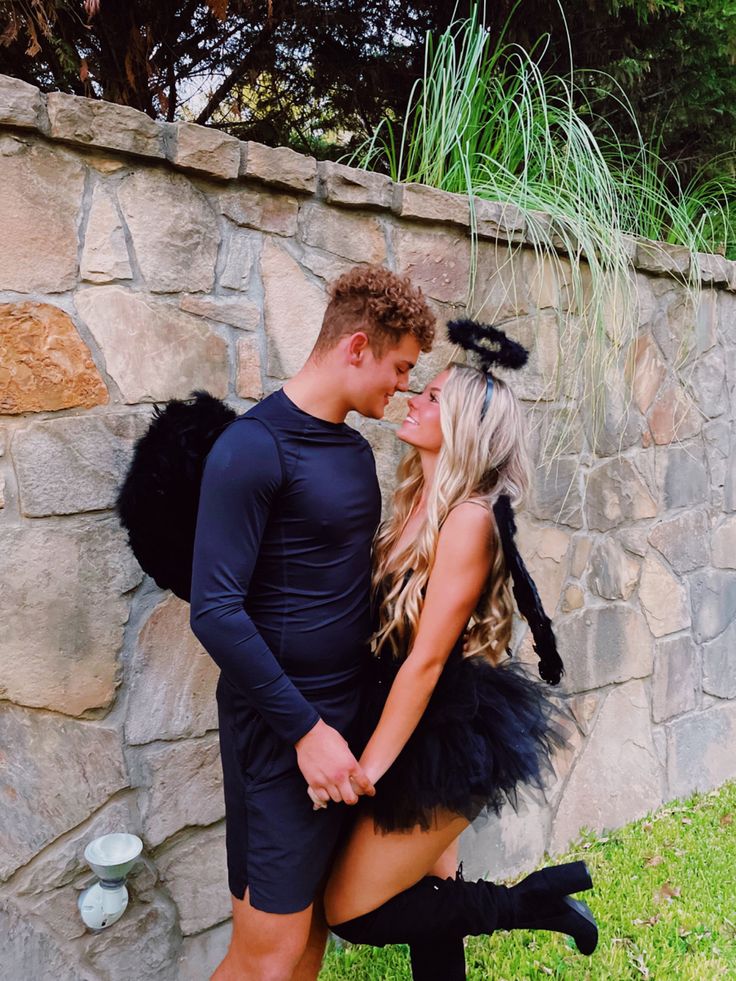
490	345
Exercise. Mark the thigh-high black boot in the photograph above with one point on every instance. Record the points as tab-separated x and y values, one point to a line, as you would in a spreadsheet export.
450	907
439	955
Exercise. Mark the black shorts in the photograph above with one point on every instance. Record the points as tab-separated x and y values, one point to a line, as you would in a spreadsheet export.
277	845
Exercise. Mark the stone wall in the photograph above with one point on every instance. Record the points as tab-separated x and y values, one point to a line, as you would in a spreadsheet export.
142	260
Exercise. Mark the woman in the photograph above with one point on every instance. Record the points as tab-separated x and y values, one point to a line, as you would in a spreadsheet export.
454	733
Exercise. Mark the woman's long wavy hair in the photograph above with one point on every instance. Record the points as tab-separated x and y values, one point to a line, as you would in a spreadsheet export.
479	459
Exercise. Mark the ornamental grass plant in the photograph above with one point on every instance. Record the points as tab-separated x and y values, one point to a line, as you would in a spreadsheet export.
664	898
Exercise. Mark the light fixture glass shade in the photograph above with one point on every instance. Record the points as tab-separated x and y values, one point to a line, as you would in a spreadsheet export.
112	856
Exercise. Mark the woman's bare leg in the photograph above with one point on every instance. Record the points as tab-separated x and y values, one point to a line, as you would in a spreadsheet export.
374	867
446	865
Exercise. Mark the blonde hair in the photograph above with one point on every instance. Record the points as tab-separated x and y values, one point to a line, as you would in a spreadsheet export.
479	459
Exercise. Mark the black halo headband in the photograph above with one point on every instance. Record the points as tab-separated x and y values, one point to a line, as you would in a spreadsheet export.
490	346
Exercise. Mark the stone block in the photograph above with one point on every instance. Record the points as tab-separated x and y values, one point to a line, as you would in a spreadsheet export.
707	381
649	372
604	646
63	611
274	213
93	122
423	203
233	310
683	540
619	425
545	552
719	664
238	253
173	230
713	270
675	679
293	311
201	953
437	261
682	476
499	221
153	351
540	335
248	381
352	187
706	321
713	599
278	166
194	871
663	259
556	493
717	440
613	573
58	773
700	750
183	786
44	363
501	293
173	680
548	280
30	949
609	787
76	463
573	599
615	494
503	847
359	238
723	544
39	211
204	150
727	315
580	554
634	540
673	416
674	322
143	944
663	598
20	103
105	254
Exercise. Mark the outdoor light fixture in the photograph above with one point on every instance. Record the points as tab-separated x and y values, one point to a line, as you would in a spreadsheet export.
110	857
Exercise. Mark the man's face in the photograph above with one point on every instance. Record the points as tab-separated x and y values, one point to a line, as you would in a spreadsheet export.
381	377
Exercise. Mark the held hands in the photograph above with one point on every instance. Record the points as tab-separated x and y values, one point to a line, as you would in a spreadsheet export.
330	769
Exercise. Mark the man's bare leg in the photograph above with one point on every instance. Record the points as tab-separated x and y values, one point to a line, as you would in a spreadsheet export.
310	963
264	946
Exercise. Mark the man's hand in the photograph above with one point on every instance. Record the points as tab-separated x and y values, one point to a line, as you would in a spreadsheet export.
328	766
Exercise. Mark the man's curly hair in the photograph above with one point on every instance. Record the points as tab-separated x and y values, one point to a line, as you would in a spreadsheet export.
381	303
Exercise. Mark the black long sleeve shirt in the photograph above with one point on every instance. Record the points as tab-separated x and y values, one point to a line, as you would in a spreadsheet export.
281	577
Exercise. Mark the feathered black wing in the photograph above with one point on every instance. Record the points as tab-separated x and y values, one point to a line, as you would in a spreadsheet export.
157	503
527	598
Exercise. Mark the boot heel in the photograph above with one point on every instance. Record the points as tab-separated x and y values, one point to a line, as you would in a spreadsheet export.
565	879
581	926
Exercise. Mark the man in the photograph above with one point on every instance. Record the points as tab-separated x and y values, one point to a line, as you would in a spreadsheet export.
280	599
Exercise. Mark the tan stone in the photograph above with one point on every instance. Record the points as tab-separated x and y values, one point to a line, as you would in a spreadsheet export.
237	256
539	333
172	686
183	786
573	599
681	475
56	772
673	416
436	261
104	124
501	291
556	492
195	873
584	708
32	949
359	238
105	254
707	381
613	573
713	269
548	279
649	372
173	229
20	103
723	544
706	323
500	221
683	540
700	749
63	610
545	552
104	163
353	187
142	945
278	166
663	599
236	311
675	679
275	213
76	463
44	364
610	787
659	257
39	210
203	149
580	554
423	203
615	494
248	382
201	954
153	351
293	311
603	645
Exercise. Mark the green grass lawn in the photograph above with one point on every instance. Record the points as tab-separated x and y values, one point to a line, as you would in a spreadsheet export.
665	901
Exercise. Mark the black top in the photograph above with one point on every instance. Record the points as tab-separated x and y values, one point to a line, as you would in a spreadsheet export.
281	577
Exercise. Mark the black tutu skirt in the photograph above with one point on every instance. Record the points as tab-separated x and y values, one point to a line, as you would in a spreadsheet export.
486	733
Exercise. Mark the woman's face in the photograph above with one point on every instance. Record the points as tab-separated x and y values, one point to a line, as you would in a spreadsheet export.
421	428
